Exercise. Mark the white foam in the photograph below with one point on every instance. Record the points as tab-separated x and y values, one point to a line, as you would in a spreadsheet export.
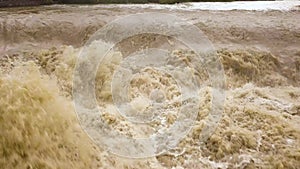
220	6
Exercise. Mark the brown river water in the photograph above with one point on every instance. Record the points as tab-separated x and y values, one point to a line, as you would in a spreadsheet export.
260	124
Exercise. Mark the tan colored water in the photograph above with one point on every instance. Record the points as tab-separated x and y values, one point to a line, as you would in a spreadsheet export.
259	128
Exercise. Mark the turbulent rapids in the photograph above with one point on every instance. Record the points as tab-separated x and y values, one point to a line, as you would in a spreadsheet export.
38	125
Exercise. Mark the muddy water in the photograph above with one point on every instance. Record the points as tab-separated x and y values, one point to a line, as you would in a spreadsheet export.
260	124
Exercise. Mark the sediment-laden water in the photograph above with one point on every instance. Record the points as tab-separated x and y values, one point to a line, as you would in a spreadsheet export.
260	123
